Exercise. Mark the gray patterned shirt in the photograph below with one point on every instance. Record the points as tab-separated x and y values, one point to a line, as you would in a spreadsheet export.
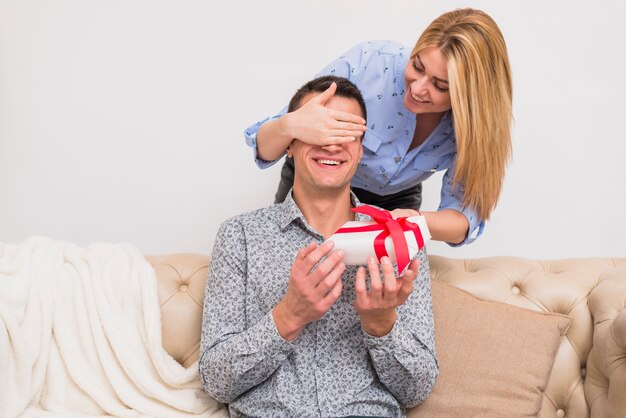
333	368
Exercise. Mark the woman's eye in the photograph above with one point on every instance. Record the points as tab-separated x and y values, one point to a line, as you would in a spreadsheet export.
418	68
440	88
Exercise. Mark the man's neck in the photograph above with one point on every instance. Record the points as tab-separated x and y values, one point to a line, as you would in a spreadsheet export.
324	211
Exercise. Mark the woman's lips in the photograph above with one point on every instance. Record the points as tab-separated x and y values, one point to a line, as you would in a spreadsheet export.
417	99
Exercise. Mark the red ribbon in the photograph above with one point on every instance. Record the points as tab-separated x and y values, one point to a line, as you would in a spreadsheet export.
388	227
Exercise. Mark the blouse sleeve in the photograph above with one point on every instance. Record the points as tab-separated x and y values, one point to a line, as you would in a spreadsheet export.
452	198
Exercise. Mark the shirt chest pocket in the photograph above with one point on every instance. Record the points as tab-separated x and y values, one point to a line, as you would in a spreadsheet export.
380	163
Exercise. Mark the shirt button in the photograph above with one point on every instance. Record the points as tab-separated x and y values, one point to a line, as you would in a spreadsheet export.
397	159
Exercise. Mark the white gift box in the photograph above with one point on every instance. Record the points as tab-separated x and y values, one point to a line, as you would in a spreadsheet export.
358	243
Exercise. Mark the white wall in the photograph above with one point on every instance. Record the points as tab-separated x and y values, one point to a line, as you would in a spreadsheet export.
122	121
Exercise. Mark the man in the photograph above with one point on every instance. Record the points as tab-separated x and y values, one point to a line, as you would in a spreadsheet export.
288	329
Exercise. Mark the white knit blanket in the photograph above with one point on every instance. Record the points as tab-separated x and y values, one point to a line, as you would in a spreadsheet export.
80	335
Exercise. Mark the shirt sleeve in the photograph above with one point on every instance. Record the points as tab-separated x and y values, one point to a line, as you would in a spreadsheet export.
405	358
251	133
351	64
234	355
452	198
348	65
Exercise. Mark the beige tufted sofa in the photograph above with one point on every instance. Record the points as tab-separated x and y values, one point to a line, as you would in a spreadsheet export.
588	378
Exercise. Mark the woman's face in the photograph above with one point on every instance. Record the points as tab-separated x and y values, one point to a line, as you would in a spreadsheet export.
426	82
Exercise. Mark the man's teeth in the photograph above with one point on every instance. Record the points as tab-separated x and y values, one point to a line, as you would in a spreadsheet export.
329	162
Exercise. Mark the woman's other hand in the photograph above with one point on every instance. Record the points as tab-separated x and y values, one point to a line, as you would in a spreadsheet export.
404	213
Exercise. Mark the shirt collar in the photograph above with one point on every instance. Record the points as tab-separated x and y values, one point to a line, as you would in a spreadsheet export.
447	122
289	211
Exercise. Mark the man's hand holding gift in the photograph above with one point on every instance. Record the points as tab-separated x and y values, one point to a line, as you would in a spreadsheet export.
311	291
377	307
315	282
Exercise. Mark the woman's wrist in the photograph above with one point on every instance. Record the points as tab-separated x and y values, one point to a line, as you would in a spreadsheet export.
286	127
273	138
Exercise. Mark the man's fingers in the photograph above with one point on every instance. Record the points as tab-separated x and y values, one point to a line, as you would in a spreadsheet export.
406	288
326	267
407	281
390	282
304	252
330	280
326	94
309	256
413	266
332	296
376	283
359	285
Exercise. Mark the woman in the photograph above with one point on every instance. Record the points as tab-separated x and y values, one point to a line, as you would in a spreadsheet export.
445	105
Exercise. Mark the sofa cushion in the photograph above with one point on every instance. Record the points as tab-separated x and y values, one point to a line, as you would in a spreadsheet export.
495	359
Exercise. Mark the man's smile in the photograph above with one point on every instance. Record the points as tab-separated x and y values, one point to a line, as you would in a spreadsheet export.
328	161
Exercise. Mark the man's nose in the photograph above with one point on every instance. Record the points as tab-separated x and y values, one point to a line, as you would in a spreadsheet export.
332	147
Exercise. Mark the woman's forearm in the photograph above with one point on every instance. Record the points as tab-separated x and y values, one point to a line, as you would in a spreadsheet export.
447	225
444	225
273	139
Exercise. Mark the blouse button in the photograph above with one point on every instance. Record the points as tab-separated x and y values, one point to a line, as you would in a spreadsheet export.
397	159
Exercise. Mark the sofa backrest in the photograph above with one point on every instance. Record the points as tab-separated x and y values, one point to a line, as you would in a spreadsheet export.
589	371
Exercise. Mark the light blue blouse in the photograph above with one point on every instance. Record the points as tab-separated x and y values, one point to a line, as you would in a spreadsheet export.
377	68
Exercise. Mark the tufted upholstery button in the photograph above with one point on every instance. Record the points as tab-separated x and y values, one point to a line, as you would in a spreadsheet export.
183	288
583	371
560	413
515	290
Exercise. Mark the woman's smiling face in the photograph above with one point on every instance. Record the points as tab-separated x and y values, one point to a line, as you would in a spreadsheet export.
426	82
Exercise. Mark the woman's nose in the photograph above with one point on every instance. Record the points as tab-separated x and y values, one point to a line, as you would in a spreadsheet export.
418	85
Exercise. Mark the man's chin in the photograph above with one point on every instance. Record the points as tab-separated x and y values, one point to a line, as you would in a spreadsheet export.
326	187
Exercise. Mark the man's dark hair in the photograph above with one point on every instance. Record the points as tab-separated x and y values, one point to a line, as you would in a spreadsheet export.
345	88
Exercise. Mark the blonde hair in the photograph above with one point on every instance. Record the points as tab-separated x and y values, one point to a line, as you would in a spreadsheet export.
481	96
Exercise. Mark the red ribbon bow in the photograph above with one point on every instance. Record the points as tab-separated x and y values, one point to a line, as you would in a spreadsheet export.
388	227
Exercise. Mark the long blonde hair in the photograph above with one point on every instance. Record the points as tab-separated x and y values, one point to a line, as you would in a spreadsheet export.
481	96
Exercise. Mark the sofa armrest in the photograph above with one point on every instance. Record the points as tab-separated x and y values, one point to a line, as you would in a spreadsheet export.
606	365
